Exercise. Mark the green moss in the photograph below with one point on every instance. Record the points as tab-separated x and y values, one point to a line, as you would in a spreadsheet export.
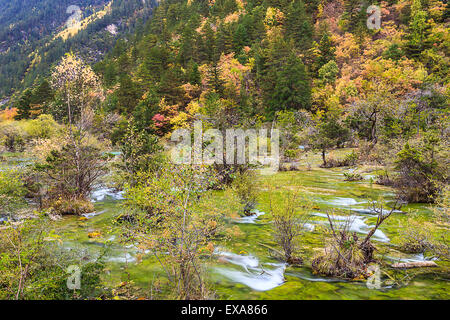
321	187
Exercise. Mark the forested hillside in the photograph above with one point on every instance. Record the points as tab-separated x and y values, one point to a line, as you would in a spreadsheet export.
32	35
260	57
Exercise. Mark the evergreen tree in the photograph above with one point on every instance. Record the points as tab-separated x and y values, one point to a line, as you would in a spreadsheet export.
24	105
170	85
127	94
225	38
124	62
329	132
43	93
240	37
419	31
282	77
145	111
214	79
110	74
154	65
298	26
292	90
194	75
329	72
187	48
209	46
326	50
354	15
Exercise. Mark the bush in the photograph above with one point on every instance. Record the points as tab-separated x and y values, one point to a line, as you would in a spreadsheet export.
180	234
288	225
421	173
70	207
33	265
244	186
225	174
416	241
330	162
348	161
12	191
12	136
384	179
71	171
44	127
342	258
329	72
284	167
442	208
347	256
421	236
353	176
140	152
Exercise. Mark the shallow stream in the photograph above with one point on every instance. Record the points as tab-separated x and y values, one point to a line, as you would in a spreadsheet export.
243	268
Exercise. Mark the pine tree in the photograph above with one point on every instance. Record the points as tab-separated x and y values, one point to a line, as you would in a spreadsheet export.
124	62
326	50
43	93
419	31
41	96
145	111
170	85
154	65
354	15
209	43
214	80
187	48
110	74
329	132
282	77
24	105
298	26
127	94
240	37
194	75
225	38
292	90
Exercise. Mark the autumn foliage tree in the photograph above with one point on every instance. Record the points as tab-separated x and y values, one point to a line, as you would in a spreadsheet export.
72	169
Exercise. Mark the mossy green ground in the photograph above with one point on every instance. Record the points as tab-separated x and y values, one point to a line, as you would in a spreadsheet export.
323	190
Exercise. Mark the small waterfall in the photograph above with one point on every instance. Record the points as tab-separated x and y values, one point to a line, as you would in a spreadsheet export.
255	275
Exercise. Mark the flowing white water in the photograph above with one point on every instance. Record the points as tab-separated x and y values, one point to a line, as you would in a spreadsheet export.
343	202
412	258
309	226
123	258
251	219
93	214
372	212
356	224
255	275
102	193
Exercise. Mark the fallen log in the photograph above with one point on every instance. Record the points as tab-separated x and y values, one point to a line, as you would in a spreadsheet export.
415	264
